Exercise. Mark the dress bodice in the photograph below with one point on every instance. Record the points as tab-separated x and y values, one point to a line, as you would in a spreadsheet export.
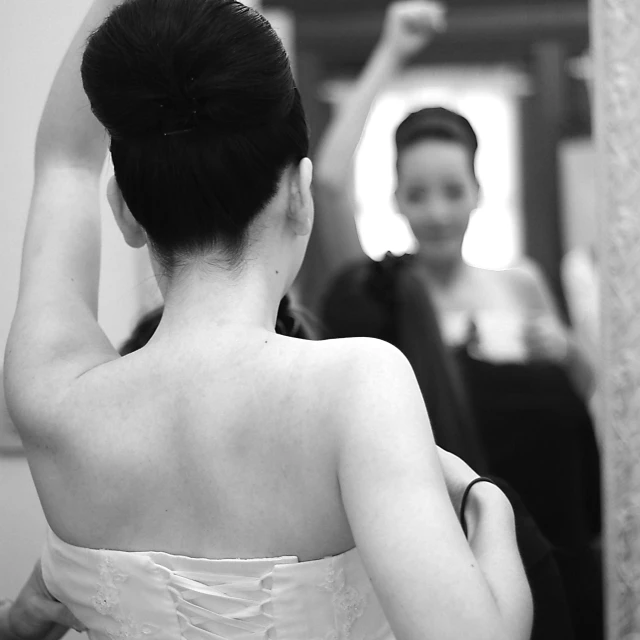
495	335
119	595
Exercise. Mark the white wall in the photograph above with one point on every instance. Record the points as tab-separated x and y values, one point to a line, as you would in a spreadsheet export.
33	37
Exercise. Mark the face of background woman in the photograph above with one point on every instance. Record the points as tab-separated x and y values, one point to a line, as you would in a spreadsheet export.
437	193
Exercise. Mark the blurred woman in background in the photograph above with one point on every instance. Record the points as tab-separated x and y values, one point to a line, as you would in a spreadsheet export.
524	375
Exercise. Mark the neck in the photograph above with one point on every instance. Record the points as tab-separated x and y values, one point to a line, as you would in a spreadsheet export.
443	273
206	296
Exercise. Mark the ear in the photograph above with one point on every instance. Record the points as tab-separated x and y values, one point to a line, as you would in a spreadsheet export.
301	209
478	197
132	232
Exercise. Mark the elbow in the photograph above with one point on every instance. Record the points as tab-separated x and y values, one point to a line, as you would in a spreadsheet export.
520	629
516	623
512	616
498	630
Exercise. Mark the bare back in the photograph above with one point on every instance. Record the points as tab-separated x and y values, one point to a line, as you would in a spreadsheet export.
208	447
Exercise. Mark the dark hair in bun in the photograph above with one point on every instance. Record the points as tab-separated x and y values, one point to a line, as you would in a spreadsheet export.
436	123
203	113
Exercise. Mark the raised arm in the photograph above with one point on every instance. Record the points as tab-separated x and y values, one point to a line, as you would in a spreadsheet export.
409	26
55	336
431	581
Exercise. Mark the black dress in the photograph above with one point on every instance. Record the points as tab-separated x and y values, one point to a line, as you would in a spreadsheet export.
537	434
387	300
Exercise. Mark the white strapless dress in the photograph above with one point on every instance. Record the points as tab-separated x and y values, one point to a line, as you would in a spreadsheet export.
119	595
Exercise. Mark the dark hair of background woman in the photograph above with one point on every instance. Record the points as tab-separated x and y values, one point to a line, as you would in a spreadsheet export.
387	300
436	123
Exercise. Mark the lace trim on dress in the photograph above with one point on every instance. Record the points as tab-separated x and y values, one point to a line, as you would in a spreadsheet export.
106	601
348	603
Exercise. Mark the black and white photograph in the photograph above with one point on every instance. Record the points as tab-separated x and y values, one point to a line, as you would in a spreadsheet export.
320	320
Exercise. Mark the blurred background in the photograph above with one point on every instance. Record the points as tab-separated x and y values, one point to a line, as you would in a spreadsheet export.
519	70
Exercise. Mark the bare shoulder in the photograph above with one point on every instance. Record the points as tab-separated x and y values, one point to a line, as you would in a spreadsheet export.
361	361
525	283
364	380
524	273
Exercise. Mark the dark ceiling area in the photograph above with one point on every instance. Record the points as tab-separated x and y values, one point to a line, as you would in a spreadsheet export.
342	32
337	6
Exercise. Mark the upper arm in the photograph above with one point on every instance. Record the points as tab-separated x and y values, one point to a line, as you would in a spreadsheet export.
398	507
61	253
55	336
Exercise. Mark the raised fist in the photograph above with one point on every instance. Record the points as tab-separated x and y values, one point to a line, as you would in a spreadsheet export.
411	24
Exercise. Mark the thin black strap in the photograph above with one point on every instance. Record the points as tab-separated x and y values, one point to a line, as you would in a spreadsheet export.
383	286
465	498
